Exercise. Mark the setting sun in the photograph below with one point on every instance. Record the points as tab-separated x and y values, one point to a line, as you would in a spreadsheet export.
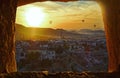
34	16
59	15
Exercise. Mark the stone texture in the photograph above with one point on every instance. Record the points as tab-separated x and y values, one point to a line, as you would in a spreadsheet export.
7	31
111	17
60	75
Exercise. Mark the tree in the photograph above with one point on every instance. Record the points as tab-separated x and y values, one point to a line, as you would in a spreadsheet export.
7	31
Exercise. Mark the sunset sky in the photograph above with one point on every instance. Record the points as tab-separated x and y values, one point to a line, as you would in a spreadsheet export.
65	15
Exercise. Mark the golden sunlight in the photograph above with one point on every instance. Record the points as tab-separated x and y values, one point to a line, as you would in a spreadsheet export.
34	16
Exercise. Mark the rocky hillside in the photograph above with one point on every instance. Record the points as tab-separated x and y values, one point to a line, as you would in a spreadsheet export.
29	33
38	33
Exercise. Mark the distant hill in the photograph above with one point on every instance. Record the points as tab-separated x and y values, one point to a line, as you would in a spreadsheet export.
88	31
26	33
29	33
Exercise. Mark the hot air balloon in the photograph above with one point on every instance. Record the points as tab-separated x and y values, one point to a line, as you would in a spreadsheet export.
83	20
50	22
94	25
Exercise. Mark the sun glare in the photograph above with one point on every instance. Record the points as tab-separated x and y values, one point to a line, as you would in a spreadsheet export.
34	16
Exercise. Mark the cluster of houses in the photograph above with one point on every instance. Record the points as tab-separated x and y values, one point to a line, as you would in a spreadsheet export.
50	49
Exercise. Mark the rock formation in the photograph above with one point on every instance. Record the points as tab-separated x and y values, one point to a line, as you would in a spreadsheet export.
7	31
111	17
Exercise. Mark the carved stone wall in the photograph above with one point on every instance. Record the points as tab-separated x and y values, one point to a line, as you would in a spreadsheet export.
7	31
111	17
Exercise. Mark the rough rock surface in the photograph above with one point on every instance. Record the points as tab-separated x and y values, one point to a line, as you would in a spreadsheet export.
7	32
60	75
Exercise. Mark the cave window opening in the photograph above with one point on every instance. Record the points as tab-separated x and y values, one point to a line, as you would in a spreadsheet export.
69	36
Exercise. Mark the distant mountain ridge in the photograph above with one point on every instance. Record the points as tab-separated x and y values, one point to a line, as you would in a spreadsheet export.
30	33
88	31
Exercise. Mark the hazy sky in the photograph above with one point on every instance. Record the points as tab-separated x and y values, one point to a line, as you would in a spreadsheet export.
66	15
